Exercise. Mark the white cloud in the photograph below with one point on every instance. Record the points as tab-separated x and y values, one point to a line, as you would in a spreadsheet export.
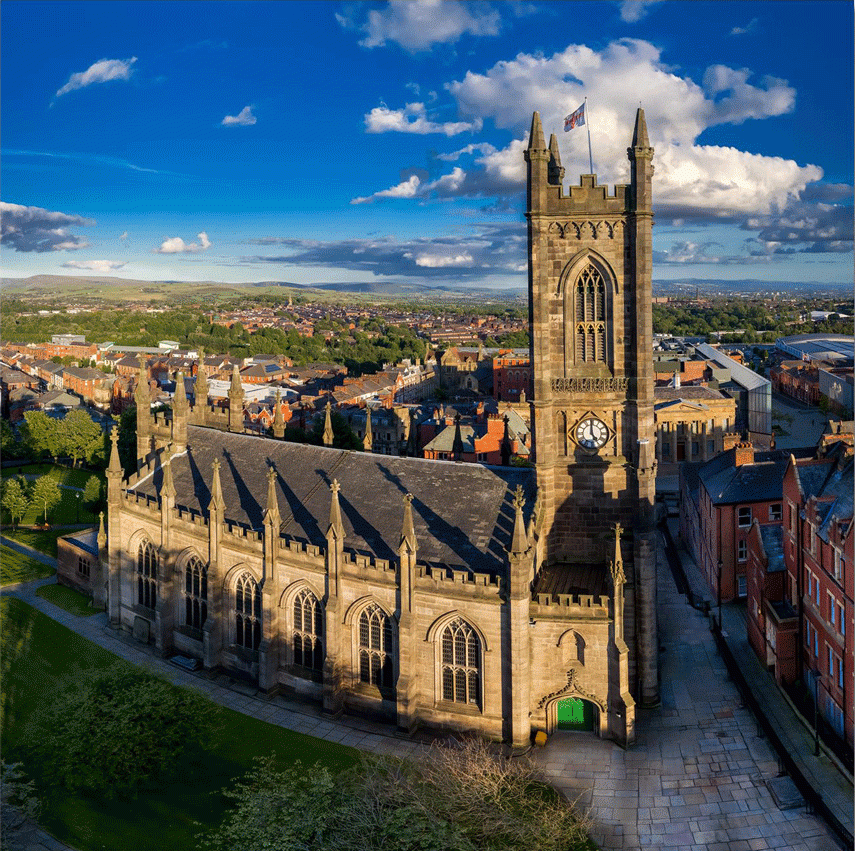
749	27
102	71
419	24
176	245
632	11
94	265
482	148
413	119
691	180
244	118
408	189
36	229
442	261
741	100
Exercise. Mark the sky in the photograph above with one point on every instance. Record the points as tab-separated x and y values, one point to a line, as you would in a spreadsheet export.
329	142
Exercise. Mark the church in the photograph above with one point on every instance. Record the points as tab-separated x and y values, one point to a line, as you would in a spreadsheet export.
504	600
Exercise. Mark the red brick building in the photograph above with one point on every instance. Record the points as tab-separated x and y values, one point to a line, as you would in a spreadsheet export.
818	552
771	620
511	376
720	500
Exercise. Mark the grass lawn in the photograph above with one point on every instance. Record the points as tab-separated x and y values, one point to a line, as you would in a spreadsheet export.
64	475
15	567
67	510
39	657
68	599
43	541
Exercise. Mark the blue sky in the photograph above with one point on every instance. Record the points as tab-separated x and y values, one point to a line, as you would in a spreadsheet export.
320	142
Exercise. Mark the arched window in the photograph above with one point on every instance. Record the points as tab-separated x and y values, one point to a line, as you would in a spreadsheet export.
147	575
308	631
461	663
195	594
589	309
247	613
375	647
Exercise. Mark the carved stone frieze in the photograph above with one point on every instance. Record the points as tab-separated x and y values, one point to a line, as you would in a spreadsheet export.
590	385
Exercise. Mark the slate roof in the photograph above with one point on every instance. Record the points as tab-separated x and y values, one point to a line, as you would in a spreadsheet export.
463	513
756	482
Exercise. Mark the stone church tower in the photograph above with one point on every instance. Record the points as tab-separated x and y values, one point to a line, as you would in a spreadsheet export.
592	412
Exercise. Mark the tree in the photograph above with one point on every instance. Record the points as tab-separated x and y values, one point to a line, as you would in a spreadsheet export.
42	434
46	494
92	493
81	437
15	499
114	730
464	797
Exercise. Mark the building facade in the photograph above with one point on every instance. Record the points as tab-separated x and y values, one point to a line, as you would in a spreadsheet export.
428	592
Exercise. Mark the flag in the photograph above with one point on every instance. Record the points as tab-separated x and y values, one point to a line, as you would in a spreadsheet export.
575	119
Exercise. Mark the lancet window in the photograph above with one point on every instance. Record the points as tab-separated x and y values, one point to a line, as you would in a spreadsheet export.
375	647
461	663
247	613
147	575
195	594
589	310
308	634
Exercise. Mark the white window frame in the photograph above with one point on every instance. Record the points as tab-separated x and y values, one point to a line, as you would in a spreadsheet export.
741	585
776	508
742	550
739	512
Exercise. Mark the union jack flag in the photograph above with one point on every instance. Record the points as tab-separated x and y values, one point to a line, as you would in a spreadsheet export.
575	119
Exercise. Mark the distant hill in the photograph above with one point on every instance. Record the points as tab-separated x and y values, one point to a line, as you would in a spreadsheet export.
127	289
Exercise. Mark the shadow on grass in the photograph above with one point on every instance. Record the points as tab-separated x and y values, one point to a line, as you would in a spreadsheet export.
40	658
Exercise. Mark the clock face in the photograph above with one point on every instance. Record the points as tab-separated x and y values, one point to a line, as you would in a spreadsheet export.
591	433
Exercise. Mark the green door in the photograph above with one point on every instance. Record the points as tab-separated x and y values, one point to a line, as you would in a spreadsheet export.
573	713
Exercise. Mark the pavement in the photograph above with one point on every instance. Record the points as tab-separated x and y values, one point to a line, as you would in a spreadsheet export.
694	781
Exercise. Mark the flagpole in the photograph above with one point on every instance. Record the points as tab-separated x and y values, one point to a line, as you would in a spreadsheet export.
588	125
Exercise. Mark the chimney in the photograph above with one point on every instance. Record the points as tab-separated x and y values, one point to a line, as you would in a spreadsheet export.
743	453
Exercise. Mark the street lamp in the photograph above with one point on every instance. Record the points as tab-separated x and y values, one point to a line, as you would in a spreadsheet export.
77	497
817	681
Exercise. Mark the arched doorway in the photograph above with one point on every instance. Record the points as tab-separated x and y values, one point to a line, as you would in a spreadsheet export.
575	713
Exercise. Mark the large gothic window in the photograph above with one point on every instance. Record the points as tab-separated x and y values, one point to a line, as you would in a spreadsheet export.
247	613
375	647
589	313
147	575
308	631
195	594
461	663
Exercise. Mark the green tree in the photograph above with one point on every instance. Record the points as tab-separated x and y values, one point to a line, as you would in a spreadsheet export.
10	444
16	499
115	730
46	494
81	437
92	493
42	434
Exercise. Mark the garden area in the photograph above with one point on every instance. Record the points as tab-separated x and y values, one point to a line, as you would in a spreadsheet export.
63	495
119	757
153	814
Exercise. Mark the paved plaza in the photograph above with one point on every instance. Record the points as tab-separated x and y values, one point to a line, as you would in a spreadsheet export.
694	781
696	778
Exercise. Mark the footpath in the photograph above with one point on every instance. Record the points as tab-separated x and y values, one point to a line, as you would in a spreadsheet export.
823	781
